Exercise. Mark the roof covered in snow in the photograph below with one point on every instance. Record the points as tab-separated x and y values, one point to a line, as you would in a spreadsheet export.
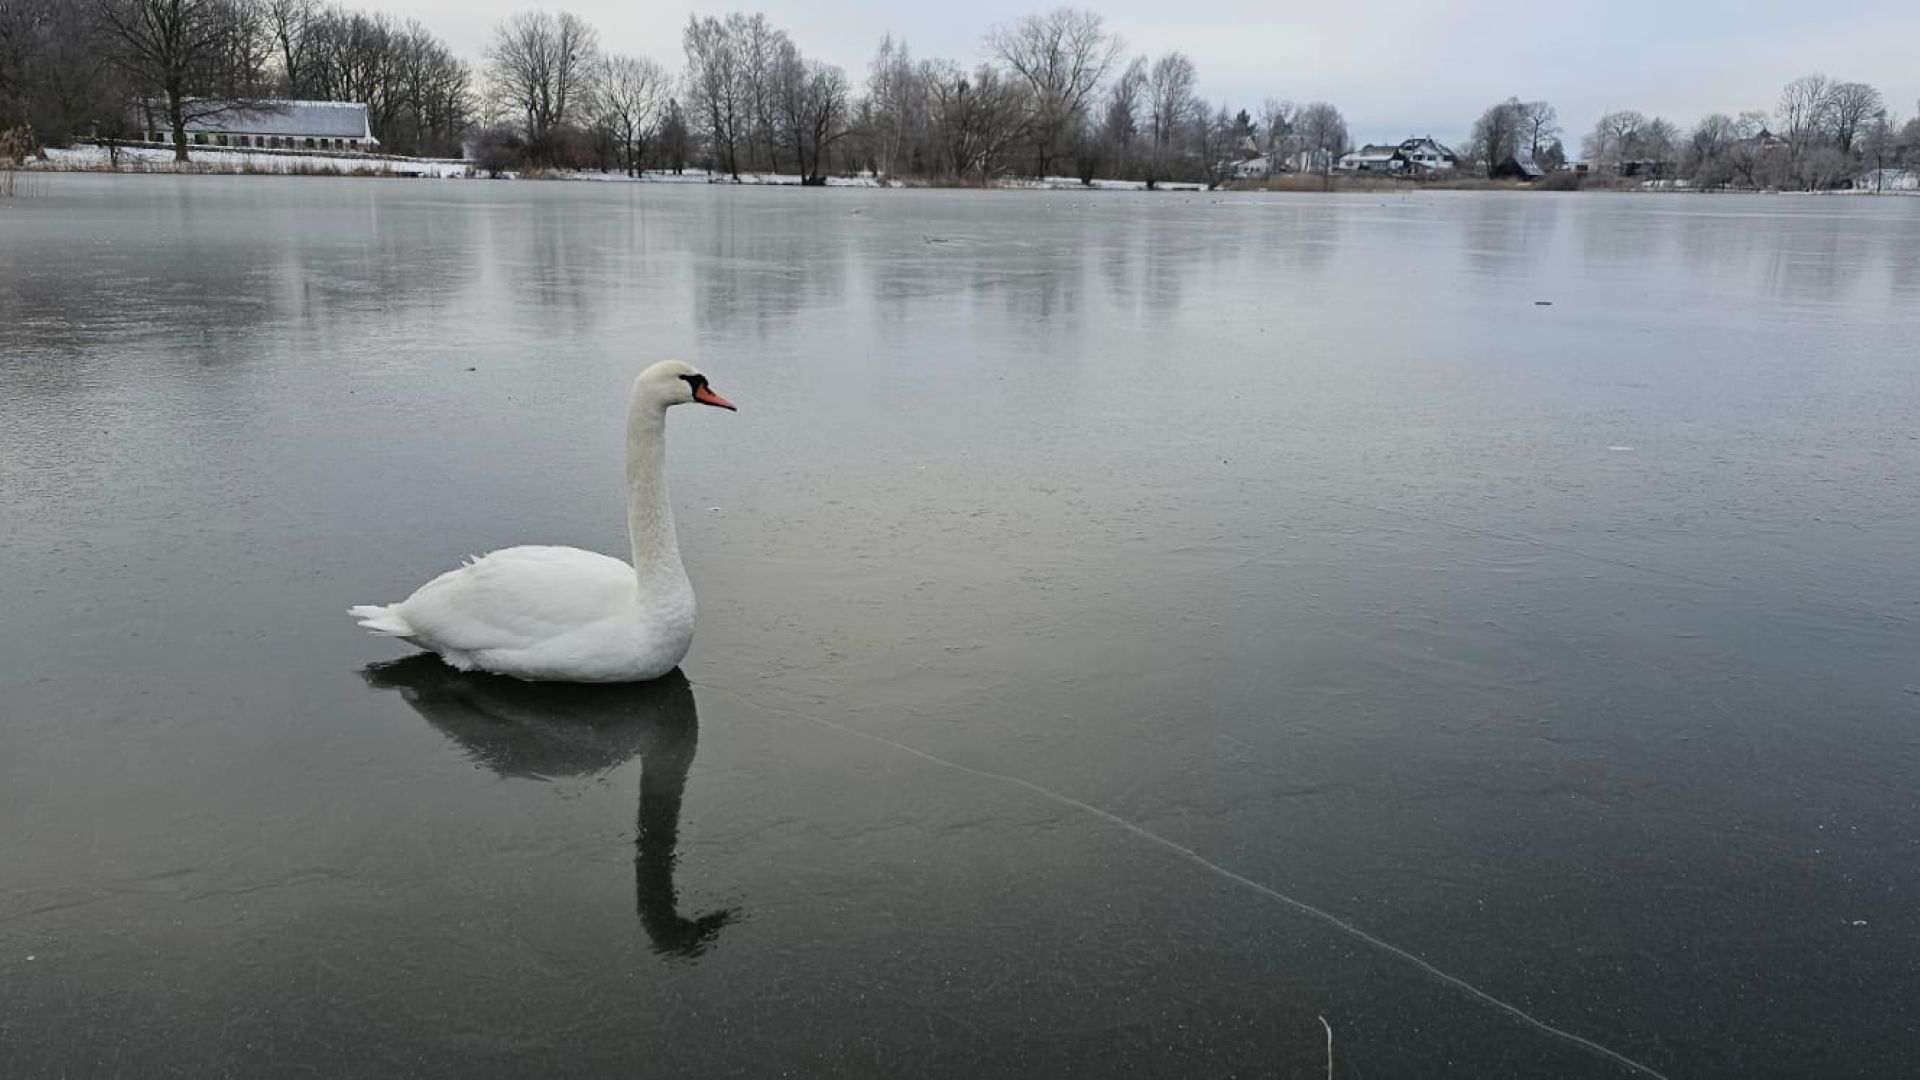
1428	143
1521	163
297	119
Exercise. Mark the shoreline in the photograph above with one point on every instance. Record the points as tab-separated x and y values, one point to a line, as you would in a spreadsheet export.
146	159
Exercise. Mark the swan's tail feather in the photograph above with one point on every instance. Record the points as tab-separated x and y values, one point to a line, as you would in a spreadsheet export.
381	620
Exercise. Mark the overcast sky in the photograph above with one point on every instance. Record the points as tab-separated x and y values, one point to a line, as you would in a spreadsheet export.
1394	67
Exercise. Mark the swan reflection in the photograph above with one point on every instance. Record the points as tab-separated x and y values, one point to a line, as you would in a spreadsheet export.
544	730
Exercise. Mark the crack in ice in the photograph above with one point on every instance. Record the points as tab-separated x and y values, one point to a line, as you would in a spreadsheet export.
1195	857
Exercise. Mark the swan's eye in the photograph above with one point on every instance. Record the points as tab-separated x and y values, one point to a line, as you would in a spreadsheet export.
695	382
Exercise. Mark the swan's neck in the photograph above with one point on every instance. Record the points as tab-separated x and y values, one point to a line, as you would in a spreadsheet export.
656	550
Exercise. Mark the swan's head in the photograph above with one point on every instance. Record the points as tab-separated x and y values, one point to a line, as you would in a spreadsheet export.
671	382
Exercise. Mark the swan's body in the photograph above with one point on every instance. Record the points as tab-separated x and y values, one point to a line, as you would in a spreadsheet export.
548	614
561	614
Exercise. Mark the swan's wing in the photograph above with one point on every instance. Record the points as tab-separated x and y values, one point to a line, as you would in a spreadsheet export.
516	598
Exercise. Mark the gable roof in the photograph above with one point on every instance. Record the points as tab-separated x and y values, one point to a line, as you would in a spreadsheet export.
300	119
1430	143
1522	161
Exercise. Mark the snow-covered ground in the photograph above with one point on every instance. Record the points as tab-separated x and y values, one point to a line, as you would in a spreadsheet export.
1072	183
206	159
216	160
1888	181
701	176
864	180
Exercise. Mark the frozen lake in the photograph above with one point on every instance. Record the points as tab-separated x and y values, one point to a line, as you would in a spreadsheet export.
1090	586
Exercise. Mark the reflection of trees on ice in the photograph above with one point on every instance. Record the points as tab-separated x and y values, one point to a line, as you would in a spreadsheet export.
537	731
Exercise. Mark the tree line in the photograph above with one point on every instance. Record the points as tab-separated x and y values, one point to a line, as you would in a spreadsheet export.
112	69
1822	134
1058	94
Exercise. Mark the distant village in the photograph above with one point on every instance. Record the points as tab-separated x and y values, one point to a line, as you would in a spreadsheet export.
302	85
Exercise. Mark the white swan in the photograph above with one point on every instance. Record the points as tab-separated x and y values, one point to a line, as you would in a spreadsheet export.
560	614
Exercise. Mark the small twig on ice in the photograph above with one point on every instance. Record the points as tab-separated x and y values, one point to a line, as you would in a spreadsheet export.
1329	1027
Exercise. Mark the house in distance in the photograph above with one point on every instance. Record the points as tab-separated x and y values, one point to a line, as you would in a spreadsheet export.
1518	165
270	125
1428	155
1413	157
1371	159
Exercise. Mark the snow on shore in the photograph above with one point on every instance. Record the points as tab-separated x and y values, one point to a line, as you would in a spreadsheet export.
217	160
207	159
1071	183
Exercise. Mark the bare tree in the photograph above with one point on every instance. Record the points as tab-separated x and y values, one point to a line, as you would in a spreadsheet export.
1824	166
1063	56
576	45
1881	146
676	138
973	120
1216	134
1090	150
1614	139
1755	158
757	47
26	31
56	80
1660	143
785	91
1499	133
895	100
714	90
1170	107
1805	106
1822	122
245	50
193	59
433	86
1539	127
812	103
1709	150
23	25
416	91
1323	134
1851	107
350	55
1277	119
290	25
630	96
1120	121
538	67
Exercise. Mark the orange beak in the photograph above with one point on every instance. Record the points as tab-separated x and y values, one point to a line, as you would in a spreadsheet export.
707	397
